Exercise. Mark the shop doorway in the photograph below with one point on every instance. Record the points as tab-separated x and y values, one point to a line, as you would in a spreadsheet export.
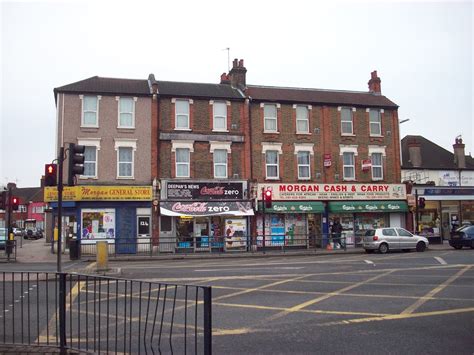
185	232
167	240
201	233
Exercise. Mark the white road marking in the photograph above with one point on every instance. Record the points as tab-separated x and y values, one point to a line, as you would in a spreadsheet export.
260	268
441	260
369	262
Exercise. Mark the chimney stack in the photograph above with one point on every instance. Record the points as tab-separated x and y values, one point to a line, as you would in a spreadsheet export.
225	78
459	154
414	153
237	74
374	83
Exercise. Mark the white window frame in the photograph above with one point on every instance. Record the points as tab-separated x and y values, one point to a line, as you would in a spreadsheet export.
304	147
351	110
272	147
377	150
119	122
348	149
379	123
82	98
265	118
214	115
189	145
221	146
189	102
305	119
125	143
216	164
91	142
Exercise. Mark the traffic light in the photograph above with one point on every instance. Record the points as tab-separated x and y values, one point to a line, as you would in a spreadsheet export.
76	159
3	200
421	202
15	202
50	175
267	196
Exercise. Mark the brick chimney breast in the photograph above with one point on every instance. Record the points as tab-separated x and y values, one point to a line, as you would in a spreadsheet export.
374	83
237	74
225	78
459	153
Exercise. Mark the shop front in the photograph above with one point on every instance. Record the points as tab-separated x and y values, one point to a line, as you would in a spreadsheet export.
119	215
443	210
290	224
307	209
201	216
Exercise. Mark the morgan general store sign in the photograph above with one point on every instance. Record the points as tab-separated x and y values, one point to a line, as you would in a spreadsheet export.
329	192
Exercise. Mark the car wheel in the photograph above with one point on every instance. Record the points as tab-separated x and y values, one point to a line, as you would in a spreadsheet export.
383	248
420	247
369	251
457	247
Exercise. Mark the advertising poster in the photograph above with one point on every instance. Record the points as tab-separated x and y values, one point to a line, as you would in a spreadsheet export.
235	233
274	230
97	224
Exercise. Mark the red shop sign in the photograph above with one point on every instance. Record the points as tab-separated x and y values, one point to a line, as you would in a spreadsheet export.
327	160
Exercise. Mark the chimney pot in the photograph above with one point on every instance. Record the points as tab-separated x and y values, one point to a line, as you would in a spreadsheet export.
374	83
241	63
234	63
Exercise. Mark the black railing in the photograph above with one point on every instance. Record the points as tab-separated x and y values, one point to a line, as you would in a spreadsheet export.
194	244
102	314
8	250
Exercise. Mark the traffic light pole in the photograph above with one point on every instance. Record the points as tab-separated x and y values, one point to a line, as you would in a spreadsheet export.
263	218
60	206
417	218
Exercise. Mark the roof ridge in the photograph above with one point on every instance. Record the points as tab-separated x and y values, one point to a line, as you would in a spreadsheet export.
310	89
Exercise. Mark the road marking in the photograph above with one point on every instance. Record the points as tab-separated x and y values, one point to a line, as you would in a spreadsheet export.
260	268
441	260
398	316
434	291
369	262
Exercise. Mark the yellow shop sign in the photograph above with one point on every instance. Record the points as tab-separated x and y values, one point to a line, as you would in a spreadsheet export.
100	193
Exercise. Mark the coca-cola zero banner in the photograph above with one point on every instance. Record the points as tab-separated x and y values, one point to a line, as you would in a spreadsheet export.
204	191
205	208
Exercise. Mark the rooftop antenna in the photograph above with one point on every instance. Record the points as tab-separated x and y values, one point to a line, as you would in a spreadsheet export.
228	58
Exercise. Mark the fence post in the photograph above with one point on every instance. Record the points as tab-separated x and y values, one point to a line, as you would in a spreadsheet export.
62	312
207	320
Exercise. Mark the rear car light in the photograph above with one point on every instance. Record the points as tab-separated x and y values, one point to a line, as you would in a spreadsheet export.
375	237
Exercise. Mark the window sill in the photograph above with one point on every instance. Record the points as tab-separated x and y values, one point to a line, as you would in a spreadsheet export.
88	177
125	128
304	179
272	178
125	178
90	128
220	130
346	179
348	135
376	136
183	129
271	132
303	133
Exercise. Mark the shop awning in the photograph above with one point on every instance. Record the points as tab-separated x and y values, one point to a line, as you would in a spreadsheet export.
294	207
206	208
368	206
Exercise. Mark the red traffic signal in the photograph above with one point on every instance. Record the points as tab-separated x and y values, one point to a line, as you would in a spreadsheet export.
50	175
267	196
15	202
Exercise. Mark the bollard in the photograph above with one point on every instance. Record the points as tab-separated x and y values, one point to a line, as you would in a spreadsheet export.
102	256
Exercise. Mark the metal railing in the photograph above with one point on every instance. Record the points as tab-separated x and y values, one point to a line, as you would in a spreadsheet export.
194	244
8	250
103	314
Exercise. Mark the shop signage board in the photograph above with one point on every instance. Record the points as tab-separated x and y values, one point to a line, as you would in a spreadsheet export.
206	208
327	160
204	191
328	192
372	206
100	193
294	207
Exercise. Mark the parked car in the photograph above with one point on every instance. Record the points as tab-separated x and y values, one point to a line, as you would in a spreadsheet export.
18	232
393	238
33	233
463	237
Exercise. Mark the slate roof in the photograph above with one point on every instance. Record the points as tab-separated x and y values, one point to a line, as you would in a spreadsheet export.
27	194
182	89
329	97
433	156
99	85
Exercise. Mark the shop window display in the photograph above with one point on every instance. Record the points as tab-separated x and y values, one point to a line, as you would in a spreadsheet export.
98	224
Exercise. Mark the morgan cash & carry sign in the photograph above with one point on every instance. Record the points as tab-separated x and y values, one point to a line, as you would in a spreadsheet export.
204	191
328	192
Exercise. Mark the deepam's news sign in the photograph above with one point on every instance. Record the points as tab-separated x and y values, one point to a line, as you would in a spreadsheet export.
204	191
329	192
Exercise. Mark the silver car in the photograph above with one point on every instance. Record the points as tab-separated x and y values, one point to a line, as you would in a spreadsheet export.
393	238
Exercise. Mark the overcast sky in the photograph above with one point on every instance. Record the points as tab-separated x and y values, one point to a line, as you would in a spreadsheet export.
423	52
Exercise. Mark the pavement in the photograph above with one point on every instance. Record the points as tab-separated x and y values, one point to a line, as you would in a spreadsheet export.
37	251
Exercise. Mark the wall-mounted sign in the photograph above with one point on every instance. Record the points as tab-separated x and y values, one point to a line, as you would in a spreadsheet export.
100	193
328	192
205	208
204	191
366	164
327	160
